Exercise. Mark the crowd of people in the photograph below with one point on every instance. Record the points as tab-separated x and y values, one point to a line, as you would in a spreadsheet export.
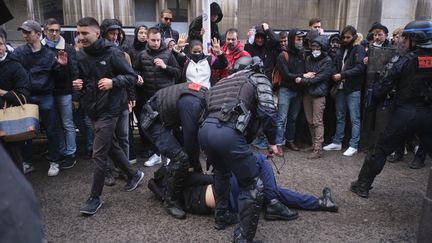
187	103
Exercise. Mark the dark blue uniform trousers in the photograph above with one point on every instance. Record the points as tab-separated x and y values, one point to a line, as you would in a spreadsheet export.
290	198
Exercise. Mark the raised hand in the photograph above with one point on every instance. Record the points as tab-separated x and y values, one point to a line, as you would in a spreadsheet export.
181	43
216	48
62	57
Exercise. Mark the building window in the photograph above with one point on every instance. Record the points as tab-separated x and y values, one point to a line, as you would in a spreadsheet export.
145	12
50	9
179	9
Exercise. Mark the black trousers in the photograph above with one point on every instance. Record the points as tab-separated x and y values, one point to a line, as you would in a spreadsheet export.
106	145
404	121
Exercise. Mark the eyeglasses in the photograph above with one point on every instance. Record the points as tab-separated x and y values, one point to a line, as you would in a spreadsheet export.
168	19
53	30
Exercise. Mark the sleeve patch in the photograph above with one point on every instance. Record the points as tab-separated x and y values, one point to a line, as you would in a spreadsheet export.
425	62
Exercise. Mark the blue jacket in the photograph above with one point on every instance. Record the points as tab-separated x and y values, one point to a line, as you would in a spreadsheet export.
41	65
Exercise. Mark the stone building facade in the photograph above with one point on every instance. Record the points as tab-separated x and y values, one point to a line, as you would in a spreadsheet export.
242	14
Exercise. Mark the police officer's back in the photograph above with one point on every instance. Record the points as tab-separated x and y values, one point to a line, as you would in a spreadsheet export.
236	106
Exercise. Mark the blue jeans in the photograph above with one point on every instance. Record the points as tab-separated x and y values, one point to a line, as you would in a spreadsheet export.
66	132
352	101
289	104
48	117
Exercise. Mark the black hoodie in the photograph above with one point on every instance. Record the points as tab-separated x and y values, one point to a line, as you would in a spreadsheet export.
295	66
267	52
196	25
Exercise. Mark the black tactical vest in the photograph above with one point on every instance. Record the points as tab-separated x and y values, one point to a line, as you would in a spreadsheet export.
415	87
225	96
166	100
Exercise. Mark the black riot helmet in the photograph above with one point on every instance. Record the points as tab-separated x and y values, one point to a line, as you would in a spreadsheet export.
419	31
253	63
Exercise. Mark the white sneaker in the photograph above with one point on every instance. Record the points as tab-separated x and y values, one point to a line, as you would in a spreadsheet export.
153	160
27	168
332	146
350	151
54	169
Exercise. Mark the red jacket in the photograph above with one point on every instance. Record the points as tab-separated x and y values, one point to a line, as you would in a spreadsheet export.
238	52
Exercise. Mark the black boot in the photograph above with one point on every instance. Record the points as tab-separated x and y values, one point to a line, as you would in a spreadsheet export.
360	188
223	217
326	202
276	210
175	177
249	204
416	163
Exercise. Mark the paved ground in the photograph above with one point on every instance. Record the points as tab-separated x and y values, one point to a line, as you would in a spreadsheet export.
391	214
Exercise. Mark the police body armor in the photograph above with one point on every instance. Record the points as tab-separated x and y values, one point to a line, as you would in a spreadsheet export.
233	100
415	86
164	103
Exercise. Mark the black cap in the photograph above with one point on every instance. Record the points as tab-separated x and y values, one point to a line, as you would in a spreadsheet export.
379	26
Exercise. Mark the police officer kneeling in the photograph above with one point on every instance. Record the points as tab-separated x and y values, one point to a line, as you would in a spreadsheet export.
236	107
411	74
177	105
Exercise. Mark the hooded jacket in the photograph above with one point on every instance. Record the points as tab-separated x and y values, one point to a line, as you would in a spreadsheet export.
295	67
266	52
231	59
156	78
353	72
104	60
322	67
196	25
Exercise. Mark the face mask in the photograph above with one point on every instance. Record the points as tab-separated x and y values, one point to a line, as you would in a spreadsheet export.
196	57
299	46
316	53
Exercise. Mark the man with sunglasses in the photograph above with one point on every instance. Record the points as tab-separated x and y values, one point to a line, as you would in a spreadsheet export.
166	18
63	91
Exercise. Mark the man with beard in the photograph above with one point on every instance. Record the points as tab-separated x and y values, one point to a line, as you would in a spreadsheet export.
164	26
349	76
233	50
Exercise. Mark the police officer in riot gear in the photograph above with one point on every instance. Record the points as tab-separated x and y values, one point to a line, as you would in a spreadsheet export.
181	104
236	107
411	74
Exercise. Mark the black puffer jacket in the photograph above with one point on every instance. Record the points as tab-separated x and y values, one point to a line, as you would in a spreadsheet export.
13	78
156	78
354	69
295	67
196	25
104	60
322	67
